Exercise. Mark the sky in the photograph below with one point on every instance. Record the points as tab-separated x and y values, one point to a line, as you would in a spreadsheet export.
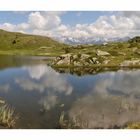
73	24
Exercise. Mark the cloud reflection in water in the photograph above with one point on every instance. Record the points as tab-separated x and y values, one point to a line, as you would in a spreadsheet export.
104	109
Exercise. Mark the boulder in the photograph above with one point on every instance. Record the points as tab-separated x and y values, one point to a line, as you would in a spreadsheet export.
63	59
102	53
94	60
77	63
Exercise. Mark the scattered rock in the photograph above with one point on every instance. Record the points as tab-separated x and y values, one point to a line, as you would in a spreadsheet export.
106	61
63	59
102	53
77	63
122	53
134	49
130	63
76	60
84	56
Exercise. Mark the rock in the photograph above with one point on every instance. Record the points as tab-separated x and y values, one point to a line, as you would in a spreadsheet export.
94	60
63	62
106	61
2	101
84	56
77	63
102	53
134	49
105	43
76	60
130	62
63	59
75	57
122	53
138	52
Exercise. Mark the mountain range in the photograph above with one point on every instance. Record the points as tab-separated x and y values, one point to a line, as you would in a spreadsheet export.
92	40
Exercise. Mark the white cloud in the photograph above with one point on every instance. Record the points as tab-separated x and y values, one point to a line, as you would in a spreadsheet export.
117	24
38	20
7	26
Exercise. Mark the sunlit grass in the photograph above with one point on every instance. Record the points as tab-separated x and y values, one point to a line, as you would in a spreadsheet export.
7	116
66	123
135	125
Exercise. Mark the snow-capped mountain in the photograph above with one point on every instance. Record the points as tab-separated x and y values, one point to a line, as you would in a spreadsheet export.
76	41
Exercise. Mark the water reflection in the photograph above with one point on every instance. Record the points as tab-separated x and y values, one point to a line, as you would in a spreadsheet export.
121	82
48	102
40	94
47	79
5	88
111	103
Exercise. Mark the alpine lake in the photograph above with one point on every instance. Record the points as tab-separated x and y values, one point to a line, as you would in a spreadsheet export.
42	97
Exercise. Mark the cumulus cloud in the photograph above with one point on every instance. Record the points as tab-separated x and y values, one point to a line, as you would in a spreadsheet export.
7	26
44	20
117	24
37	21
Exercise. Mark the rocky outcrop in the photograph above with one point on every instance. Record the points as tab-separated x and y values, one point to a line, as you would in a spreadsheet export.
102	53
76	60
130	63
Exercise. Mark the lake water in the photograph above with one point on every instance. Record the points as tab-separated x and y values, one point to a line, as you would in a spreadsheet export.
42	96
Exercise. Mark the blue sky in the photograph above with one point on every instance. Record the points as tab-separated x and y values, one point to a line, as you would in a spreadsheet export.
70	18
79	25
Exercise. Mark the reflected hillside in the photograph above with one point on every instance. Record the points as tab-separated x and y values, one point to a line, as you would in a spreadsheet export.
9	61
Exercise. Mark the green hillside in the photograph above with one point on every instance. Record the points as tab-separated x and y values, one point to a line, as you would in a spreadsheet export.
111	54
18	43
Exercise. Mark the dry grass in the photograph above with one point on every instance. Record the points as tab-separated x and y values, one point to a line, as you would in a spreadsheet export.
7	116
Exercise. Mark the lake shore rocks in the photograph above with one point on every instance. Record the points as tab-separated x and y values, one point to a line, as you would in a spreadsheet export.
76	60
127	63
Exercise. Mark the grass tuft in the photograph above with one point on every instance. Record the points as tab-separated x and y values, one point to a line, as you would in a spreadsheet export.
7	116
